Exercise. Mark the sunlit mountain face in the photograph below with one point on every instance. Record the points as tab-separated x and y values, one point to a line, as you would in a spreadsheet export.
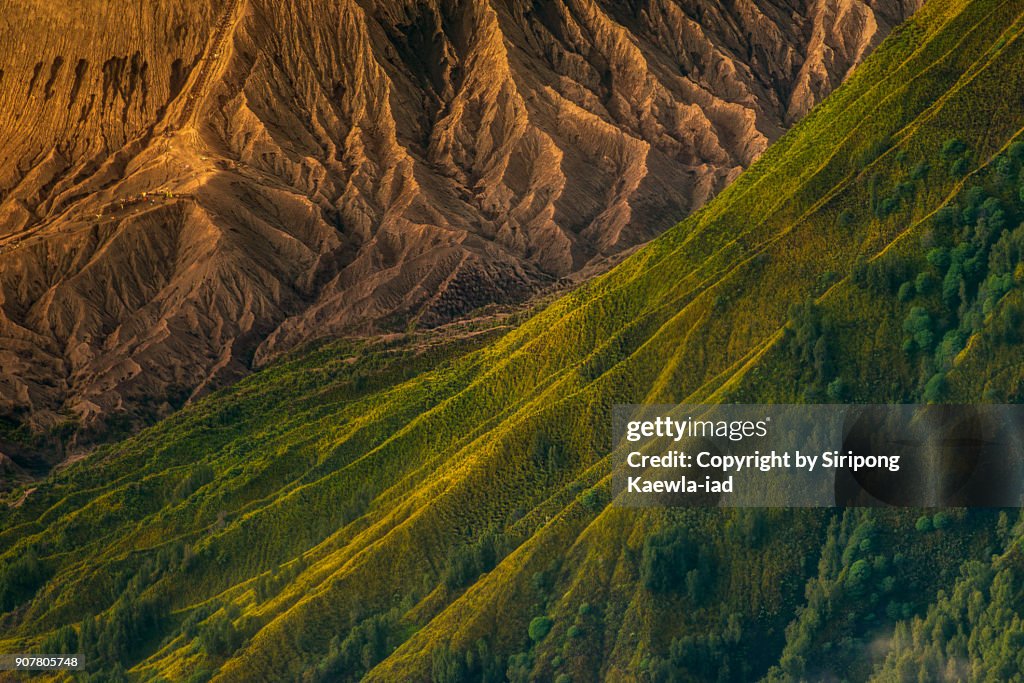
188	190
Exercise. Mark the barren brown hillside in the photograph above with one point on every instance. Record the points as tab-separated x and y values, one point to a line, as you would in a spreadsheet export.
189	188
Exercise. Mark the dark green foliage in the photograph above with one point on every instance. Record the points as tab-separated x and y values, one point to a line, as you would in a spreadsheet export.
64	641
941	520
838	390
268	584
466	564
20	579
959	167
919	328
120	635
593	499
876	149
1008	322
974	627
858	578
946	218
376	636
219	637
925	283
197	477
519	667
674	561
935	389
704	657
953	148
883	275
809	340
539	628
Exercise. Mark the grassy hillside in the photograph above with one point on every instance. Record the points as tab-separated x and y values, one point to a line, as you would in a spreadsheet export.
436	507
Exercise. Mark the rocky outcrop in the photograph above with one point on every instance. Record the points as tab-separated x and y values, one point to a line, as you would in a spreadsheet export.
187	190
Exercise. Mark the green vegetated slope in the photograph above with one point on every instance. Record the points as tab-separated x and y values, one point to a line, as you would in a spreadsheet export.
437	507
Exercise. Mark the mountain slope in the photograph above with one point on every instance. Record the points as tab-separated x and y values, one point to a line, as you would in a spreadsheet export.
437	507
185	192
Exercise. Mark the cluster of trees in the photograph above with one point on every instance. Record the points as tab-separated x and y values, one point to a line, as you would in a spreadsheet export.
809	341
856	585
269	583
351	656
218	635
973	632
465	564
937	522
478	664
675	561
883	275
883	205
705	657
974	248
134	624
118	636
20	579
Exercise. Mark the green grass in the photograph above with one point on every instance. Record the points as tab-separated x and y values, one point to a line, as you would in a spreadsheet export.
323	517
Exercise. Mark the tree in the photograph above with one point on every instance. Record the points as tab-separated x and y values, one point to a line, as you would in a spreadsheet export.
935	389
953	148
218	636
539	628
925	283
857	578
918	326
906	291
20	580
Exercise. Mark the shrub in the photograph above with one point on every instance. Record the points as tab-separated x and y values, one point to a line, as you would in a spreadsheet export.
539	628
838	390
592	500
925	283
935	389
924	524
953	148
